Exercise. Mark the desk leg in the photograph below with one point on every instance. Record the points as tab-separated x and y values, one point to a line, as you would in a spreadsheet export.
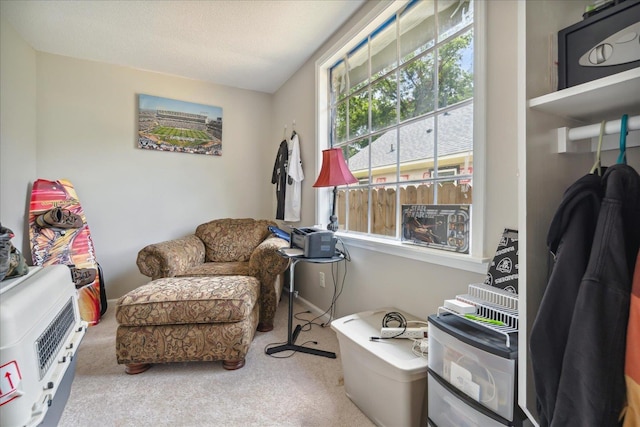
293	335
292	293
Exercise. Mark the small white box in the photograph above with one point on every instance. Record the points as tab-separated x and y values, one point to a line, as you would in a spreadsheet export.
384	378
460	306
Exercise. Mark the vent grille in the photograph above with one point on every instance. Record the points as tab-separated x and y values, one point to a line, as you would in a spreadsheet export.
48	344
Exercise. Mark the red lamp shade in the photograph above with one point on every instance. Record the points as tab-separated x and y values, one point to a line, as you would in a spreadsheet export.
334	170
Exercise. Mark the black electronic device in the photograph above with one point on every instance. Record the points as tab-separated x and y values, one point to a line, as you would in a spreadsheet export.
314	242
601	45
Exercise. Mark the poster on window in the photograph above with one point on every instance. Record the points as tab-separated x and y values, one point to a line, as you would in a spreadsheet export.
183	127
444	227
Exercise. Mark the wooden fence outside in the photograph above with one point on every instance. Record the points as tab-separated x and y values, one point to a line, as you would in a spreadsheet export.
383	202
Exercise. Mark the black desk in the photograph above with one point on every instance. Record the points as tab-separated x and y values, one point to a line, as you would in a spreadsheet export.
292	335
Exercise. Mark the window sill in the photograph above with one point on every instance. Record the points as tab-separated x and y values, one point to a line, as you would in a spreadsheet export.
418	253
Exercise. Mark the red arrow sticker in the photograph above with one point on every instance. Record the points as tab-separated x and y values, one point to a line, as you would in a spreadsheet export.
10	378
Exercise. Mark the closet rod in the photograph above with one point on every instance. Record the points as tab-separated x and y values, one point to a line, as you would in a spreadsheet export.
571	140
610	127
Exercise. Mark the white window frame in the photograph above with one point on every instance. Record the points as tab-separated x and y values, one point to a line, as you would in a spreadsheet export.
475	261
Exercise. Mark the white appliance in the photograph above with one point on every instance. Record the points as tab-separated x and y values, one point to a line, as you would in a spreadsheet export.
40	331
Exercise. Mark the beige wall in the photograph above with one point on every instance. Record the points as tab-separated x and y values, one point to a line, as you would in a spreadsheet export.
132	197
378	280
17	130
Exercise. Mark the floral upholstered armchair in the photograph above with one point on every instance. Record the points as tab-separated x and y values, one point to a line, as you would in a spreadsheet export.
224	247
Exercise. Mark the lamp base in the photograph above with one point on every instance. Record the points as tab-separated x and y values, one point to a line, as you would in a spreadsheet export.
333	223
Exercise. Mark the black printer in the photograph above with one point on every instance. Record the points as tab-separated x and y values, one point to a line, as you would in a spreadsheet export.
314	242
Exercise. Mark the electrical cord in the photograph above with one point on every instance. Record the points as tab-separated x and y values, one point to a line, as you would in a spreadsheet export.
331	310
344	251
306	327
338	283
338	287
420	347
392	316
490	378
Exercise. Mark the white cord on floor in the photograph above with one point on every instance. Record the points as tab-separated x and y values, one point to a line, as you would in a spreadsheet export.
421	347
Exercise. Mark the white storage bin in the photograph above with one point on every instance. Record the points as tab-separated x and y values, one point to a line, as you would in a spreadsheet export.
384	378
486	377
448	410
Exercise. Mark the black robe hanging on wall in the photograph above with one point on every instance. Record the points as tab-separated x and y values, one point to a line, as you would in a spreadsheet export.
279	177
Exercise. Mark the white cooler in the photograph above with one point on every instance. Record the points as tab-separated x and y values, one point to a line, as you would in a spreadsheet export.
384	378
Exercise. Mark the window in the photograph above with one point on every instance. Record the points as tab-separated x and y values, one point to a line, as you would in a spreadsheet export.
398	98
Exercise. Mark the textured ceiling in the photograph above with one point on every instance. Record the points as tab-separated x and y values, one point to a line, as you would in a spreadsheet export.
251	44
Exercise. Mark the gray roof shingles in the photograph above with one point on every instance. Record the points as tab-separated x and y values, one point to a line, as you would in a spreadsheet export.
416	140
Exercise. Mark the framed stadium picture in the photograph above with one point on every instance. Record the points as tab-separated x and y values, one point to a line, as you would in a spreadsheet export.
170	125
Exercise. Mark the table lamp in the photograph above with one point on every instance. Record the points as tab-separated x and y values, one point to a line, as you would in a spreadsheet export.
334	172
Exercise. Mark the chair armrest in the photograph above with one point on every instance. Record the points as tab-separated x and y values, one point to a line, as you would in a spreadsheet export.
268	265
171	258
265	257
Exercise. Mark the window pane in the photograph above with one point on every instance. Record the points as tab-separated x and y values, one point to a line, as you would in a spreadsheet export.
405	141
359	114
416	148
465	186
455	143
357	206
417	194
383	210
455	79
358	63
338	82
339	116
453	15
383	50
417	91
383	102
357	156
359	150
417	30
384	156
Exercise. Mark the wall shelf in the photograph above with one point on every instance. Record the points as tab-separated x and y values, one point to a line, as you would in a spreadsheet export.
601	99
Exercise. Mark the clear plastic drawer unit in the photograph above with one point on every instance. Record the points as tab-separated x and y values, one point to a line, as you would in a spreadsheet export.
448	409
475	362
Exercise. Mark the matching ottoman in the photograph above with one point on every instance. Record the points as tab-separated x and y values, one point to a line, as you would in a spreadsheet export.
183	319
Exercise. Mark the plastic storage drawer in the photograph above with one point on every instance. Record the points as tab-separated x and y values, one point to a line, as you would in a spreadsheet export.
448	410
475	361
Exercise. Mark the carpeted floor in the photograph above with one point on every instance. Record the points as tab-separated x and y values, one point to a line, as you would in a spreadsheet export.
300	390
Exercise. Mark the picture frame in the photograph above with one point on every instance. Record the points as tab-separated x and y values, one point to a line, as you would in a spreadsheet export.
166	124
444	227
